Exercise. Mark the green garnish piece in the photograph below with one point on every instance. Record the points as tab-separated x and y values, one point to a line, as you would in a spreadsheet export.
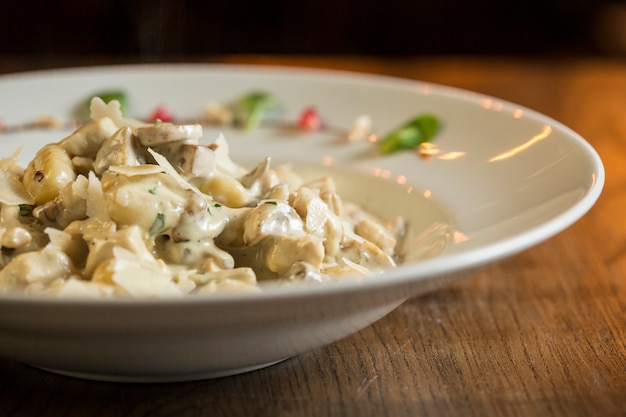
250	108
421	129
216	205
158	225
108	96
120	96
25	210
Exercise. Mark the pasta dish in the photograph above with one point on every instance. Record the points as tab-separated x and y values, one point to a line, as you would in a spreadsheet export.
122	207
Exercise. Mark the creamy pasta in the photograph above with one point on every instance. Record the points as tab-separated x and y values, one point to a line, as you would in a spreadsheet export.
125	208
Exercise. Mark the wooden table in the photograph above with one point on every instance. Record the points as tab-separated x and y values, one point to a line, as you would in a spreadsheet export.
540	334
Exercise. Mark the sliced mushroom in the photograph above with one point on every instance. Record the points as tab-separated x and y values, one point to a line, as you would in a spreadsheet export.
333	233
161	133
87	139
68	206
116	150
232	235
327	192
16	235
257	173
194	160
82	165
278	192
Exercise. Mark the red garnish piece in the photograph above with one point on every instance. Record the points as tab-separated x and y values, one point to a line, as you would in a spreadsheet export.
161	114
310	120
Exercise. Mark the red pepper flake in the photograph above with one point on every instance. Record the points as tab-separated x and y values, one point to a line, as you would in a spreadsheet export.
161	114
310	120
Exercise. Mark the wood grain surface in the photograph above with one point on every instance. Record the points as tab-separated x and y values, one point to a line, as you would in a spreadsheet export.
540	334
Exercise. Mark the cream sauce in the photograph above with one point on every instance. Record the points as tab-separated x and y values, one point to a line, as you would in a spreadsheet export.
191	220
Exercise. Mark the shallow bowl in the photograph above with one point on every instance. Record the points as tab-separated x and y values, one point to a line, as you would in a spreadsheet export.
498	179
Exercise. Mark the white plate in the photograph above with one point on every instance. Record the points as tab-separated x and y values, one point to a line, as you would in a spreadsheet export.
505	178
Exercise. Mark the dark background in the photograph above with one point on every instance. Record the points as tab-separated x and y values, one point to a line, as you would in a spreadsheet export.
155	30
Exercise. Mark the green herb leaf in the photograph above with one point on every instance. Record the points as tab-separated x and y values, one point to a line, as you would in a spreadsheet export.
421	129
108	96
216	205
158	226
25	210
250	108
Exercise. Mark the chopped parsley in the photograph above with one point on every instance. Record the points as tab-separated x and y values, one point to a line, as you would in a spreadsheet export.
158	225
25	210
216	205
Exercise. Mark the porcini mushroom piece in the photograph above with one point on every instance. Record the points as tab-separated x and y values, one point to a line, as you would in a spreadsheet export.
161	133
116	150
